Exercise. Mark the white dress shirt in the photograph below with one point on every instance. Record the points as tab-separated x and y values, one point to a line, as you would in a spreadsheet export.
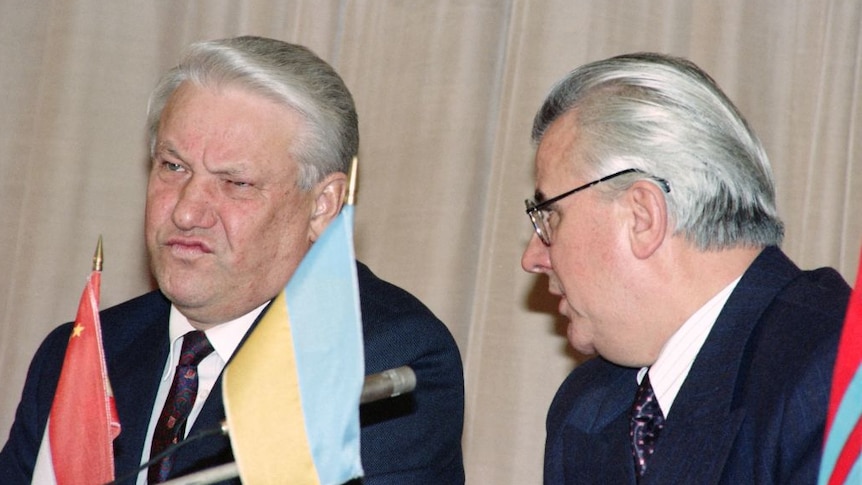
224	338
675	359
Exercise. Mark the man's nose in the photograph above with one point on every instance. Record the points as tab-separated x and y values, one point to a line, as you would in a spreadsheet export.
195	205
535	258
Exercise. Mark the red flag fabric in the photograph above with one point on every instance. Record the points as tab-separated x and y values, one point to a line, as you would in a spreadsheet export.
842	456
83	421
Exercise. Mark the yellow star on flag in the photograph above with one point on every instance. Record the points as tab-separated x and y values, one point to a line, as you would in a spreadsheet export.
76	332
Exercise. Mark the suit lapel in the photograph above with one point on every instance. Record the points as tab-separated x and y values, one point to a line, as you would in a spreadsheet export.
706	417
136	351
595	442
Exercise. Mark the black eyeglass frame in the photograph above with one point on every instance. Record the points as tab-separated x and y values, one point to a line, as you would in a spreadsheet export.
540	222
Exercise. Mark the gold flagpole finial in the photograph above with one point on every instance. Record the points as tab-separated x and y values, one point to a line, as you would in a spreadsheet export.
97	258
350	196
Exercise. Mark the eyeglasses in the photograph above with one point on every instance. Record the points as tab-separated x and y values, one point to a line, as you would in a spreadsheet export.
539	215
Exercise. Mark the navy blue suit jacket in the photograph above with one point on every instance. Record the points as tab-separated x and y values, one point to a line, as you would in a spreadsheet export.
752	409
412	439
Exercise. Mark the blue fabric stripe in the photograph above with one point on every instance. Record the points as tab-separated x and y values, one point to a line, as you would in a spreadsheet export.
855	475
323	304
846	416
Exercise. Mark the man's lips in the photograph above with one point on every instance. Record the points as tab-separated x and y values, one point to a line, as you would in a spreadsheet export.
188	246
562	306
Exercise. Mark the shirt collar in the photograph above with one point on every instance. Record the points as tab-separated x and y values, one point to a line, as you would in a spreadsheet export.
675	359
224	337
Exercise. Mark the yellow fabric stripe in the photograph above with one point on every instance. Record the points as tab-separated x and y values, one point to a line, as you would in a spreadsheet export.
263	406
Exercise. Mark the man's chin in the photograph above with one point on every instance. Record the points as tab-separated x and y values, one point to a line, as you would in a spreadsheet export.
578	342
585	350
189	300
199	314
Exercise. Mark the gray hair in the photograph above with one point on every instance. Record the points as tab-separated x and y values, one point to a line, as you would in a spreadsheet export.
665	116
288	74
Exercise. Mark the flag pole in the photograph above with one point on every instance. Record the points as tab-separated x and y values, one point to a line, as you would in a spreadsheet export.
351	182
97	257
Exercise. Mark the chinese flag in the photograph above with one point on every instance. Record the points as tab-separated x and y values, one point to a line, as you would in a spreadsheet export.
83	421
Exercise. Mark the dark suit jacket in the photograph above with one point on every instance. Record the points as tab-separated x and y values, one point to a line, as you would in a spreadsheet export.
412	439
752	409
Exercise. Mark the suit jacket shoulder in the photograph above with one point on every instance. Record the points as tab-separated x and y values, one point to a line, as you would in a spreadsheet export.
752	408
416	437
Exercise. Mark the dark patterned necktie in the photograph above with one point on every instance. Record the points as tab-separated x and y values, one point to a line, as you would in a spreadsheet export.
647	421
172	422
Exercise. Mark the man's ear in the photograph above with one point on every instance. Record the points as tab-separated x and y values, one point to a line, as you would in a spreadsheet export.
328	198
650	218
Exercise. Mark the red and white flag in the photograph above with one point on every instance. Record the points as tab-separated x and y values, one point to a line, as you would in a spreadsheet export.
77	445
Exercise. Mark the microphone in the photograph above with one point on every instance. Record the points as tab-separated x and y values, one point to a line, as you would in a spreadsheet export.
386	384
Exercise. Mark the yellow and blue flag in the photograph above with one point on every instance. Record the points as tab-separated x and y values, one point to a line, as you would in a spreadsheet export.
292	391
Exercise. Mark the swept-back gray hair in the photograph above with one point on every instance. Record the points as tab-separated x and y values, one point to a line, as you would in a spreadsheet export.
668	118
288	74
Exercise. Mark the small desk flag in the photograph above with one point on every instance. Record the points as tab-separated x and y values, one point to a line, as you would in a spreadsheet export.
291	392
78	443
842	454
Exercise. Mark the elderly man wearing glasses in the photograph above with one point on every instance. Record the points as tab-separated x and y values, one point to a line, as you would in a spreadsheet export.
714	349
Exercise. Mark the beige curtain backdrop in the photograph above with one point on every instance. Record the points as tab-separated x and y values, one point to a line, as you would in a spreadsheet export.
446	91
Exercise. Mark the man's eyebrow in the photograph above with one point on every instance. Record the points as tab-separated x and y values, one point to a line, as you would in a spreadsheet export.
168	149
231	170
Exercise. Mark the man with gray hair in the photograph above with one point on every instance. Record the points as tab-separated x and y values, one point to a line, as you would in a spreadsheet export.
250	141
655	222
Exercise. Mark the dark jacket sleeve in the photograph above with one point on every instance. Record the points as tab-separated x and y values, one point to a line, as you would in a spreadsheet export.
414	438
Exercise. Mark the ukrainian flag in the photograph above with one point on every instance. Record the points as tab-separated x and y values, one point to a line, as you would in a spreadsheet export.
291	392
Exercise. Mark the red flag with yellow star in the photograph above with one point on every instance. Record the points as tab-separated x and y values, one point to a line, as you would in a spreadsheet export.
77	446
